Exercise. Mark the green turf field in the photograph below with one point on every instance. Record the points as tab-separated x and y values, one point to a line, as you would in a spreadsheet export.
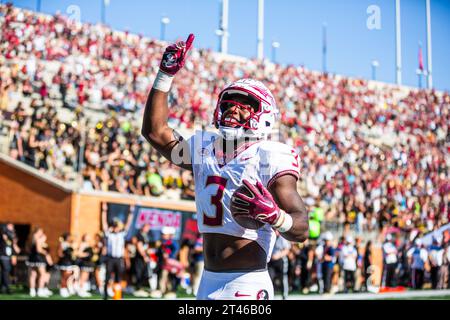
25	296
22	294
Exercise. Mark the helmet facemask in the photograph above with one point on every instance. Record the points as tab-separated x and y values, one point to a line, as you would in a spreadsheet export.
248	104
232	129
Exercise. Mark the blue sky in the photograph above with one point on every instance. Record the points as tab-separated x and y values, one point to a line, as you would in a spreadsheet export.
296	25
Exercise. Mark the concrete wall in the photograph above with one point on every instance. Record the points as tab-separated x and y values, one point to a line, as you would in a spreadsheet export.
26	199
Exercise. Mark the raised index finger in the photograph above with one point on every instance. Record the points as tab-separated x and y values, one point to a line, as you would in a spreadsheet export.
189	41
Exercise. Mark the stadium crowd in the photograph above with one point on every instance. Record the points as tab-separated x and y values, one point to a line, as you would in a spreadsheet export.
372	155
347	264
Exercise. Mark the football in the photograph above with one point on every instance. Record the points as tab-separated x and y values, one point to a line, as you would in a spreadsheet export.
242	219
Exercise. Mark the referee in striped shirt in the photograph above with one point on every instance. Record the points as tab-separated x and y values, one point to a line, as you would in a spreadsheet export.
115	247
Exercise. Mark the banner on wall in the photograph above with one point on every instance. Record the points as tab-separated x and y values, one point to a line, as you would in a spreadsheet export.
157	219
183	222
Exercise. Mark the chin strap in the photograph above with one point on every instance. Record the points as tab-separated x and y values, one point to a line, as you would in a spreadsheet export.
231	133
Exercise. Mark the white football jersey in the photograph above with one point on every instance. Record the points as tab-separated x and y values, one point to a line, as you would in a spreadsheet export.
216	181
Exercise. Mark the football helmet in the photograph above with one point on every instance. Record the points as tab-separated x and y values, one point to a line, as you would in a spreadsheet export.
258	102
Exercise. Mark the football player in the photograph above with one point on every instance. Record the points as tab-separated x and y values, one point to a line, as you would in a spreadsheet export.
239	154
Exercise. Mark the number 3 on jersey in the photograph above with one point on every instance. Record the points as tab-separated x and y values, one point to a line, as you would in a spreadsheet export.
216	201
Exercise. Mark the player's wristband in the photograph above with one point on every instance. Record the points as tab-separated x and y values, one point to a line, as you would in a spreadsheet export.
163	81
284	222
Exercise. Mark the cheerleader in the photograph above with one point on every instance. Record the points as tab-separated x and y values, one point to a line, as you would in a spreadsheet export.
48	266
86	264
99	261
66	264
37	263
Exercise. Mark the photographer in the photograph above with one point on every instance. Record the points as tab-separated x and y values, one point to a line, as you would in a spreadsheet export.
8	248
142	260
171	267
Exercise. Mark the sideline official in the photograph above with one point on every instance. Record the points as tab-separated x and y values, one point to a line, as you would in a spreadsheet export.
115	249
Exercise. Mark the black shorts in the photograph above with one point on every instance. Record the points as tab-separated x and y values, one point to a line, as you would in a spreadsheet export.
116	265
36	261
87	266
66	265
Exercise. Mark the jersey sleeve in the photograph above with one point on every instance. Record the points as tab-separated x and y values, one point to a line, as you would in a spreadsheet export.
277	160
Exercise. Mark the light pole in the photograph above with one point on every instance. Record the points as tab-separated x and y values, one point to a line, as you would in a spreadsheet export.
398	44
164	21
222	32
375	65
104	4
219	33
275	46
324	47
429	53
260	35
419	73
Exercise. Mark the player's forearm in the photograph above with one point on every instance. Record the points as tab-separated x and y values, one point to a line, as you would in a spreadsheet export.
299	231
155	116
292	204
156	130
